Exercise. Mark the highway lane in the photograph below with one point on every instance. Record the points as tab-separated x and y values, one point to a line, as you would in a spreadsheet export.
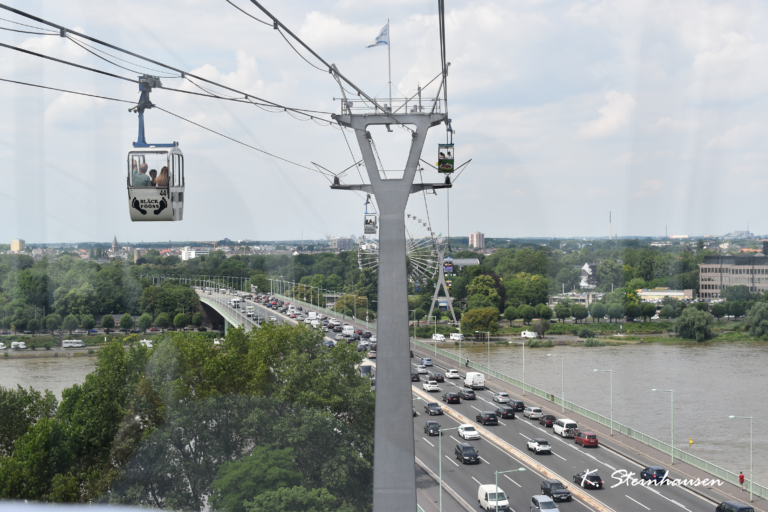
567	459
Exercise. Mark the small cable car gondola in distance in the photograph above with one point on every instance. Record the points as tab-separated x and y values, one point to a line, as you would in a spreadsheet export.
159	195
371	225
448	265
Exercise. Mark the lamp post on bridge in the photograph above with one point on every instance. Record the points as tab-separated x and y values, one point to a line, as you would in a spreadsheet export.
611	374
751	474
440	443
497	483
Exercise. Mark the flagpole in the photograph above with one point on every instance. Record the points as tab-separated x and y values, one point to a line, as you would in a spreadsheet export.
389	59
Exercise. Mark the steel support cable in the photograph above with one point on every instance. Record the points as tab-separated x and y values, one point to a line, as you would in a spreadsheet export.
297	51
103	43
247	14
118	58
30	26
113	63
64	90
422	90
27	32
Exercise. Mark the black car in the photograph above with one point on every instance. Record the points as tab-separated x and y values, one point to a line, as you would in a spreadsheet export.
588	480
437	377
505	412
415	377
517	405
414	411
202	329
487	418
734	506
467	394
367	334
432	428
467	454
411	353
555	490
547	420
654	473
451	398
336	328
136	331
433	408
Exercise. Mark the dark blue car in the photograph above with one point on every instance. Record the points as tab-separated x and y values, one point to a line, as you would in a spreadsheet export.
655	473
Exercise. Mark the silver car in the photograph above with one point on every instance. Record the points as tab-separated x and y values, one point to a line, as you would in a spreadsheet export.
533	413
541	502
501	397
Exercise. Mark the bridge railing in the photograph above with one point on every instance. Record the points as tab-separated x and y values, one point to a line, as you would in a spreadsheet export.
697	462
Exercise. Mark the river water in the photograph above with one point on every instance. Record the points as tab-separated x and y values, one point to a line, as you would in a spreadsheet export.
710	382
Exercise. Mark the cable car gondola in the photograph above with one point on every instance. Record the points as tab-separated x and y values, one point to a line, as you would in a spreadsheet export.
157	196
448	265
445	158
370	226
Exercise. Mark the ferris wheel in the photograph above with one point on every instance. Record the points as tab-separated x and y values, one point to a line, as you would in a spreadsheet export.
421	247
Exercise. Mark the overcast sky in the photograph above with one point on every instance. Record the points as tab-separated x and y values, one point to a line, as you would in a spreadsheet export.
654	110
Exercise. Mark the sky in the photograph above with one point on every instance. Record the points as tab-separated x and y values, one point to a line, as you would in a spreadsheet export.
651	110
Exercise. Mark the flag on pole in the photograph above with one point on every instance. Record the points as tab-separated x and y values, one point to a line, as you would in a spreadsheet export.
382	39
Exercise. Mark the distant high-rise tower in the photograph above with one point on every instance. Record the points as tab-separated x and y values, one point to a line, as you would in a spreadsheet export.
477	240
114	245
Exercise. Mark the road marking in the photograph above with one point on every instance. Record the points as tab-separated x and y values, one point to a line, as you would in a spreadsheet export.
502	423
476	480
455	439
475	408
450	459
517	484
525	436
556	455
646	508
609	466
430	444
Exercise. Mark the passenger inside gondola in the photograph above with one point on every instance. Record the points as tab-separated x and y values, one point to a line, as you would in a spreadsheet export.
153	177
164	178
140	179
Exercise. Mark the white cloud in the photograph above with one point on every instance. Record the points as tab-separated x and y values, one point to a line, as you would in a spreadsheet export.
613	116
737	137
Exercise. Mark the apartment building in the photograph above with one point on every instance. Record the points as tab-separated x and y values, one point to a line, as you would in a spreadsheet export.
717	273
477	240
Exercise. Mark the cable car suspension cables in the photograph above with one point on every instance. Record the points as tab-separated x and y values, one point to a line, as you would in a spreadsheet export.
249	15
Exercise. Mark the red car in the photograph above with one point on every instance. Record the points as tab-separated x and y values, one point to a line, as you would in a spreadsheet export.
359	331
153	329
547	420
586	439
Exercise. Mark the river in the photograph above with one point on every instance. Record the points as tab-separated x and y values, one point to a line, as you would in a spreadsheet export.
710	381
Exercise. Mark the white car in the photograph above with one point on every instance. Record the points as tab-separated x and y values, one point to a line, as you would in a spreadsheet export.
452	374
430	385
502	397
467	431
372	339
421	369
539	446
533	413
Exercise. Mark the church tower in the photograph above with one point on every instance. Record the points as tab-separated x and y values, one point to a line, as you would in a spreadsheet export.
114	245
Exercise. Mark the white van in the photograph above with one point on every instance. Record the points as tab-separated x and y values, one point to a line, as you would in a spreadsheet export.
528	334
489	497
474	380
312	315
457	336
146	343
348	329
20	345
438	337
235	303
564	427
2	346
316	323
249	310
72	344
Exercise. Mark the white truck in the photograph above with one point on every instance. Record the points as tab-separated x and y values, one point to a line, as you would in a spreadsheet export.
528	334
72	344
235	303
474	380
249	311
18	345
146	343
348	329
311	316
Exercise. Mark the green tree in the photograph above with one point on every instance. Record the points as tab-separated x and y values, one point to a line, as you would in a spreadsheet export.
562	311
568	278
737	309
267	468
511	313
694	324
546	312
88	322
181	320
485	286
70	323
718	311
541	327
53	322
609	272
632	311
648	310
420	314
126	322
197	320
615	311
162	321
757	319
701	306
598	311
33	325
738	292
579	312
480	301
145	322
21	409
527	312
636	284
480	320
108	322
297	499
667	311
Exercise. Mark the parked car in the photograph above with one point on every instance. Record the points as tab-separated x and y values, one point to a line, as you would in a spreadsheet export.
487	418
588	480
432	428
433	408
517	405
586	439
539	445
547	420
533	413
467	431
555	490
467	394
655	473
452	374
451	398
430	385
505	412
81	331
415	377
502	397
466	453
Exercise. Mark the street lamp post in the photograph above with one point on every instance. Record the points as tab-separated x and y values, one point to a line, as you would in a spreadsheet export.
440	444
562	381
751	474
489	345
672	418
523	344
497	483
611	374
414	324
433	339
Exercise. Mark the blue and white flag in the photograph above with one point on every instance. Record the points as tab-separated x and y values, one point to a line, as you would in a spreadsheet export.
382	39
